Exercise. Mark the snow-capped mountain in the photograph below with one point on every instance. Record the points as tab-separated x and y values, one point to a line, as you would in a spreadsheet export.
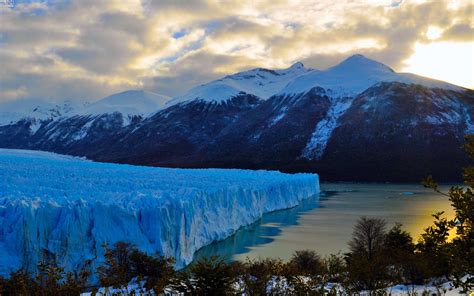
259	82
129	103
56	125
35	110
391	131
354	75
358	120
87	125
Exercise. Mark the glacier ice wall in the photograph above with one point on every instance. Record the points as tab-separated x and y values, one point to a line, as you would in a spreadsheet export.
69	207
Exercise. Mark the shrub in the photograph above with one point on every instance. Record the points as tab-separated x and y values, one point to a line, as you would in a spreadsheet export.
208	276
156	271
307	262
116	271
262	276
455	258
19	283
404	265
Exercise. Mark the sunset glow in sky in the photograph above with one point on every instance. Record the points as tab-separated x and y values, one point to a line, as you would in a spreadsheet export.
448	61
80	49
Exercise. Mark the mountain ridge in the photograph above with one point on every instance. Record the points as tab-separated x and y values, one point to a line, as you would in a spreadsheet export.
399	128
129	102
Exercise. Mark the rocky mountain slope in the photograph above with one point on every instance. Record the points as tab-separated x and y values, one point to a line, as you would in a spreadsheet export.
358	120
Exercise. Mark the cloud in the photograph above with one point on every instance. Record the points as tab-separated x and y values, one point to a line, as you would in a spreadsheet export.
193	69
459	32
88	49
107	44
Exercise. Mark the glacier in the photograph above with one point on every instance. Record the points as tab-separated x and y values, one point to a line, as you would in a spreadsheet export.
68	207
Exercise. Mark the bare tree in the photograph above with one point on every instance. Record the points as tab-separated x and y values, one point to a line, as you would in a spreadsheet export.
368	236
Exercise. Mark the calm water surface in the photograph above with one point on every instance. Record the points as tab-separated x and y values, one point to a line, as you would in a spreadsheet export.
325	223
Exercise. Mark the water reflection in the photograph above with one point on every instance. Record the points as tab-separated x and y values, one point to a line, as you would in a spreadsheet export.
325	223
263	231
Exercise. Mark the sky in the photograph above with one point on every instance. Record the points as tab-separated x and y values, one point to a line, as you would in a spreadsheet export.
87	49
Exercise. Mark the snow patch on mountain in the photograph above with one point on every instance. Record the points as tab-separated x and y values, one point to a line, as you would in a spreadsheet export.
276	119
448	110
314	149
70	207
35	124
82	133
443	118
468	122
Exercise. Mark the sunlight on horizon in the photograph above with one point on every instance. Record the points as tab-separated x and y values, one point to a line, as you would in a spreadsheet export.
452	62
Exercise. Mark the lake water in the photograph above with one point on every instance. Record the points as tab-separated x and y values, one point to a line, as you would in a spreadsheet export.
325	223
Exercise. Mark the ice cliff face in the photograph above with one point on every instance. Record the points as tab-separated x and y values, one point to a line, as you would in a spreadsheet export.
67	208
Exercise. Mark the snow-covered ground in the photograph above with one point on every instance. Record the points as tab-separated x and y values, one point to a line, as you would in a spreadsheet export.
69	206
445	288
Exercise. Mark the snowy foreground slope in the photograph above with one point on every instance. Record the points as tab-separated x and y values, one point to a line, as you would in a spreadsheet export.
68	207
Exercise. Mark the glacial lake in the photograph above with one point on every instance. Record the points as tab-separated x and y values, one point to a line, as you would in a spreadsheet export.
325	223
